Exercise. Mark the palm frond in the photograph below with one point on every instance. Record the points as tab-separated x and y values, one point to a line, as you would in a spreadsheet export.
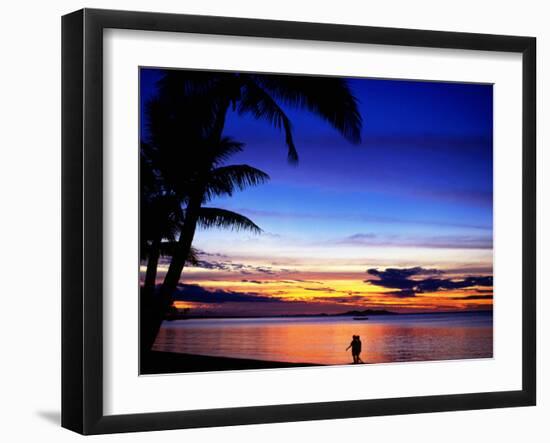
193	257
226	147
180	82
222	218
226	179
160	217
329	97
167	249
197	97
261	105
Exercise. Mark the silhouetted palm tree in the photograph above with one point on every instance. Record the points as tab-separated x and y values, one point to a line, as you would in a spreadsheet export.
216	180
160	215
186	127
203	100
160	225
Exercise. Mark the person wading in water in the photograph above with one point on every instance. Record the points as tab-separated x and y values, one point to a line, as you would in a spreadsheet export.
355	346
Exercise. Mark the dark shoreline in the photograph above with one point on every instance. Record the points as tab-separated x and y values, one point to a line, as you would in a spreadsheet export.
344	315
156	362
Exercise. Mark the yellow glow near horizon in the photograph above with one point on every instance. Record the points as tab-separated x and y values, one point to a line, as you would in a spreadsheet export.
335	285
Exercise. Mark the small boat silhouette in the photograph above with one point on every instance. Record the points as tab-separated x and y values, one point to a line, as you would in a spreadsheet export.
360	318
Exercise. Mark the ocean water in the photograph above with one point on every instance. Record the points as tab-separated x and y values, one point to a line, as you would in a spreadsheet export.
323	340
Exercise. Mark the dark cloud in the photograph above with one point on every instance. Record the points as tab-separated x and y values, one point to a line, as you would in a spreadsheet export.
211	254
196	293
221	266
402	280
474	297
436	284
233	267
403	293
355	299
402	273
297	280
275	281
395	278
324	289
470	270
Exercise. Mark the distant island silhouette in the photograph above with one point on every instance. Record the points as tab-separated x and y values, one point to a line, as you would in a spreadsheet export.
365	313
354	313
182	315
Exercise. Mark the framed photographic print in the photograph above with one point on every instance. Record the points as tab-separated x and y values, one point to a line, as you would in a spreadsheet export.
269	221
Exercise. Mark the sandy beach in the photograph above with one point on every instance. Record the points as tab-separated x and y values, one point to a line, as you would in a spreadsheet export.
171	362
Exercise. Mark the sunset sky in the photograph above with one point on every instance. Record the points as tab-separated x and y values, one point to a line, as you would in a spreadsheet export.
402	221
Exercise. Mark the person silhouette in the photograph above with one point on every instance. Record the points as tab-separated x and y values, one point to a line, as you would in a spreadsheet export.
358	346
355	346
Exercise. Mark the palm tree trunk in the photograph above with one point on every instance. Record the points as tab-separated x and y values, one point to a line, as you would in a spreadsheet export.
154	308
148	309
159	306
152	265
182	249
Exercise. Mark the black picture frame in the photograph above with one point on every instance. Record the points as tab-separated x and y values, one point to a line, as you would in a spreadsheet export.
82	218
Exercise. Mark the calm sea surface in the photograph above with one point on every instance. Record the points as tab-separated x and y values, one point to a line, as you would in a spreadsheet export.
323	340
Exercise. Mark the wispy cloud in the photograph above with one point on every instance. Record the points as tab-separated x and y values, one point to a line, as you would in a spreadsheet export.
373	218
432	242
228	265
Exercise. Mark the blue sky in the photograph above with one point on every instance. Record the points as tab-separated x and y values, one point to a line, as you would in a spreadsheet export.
418	189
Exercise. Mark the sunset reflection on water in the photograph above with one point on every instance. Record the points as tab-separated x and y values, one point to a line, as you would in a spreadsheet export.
323	340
